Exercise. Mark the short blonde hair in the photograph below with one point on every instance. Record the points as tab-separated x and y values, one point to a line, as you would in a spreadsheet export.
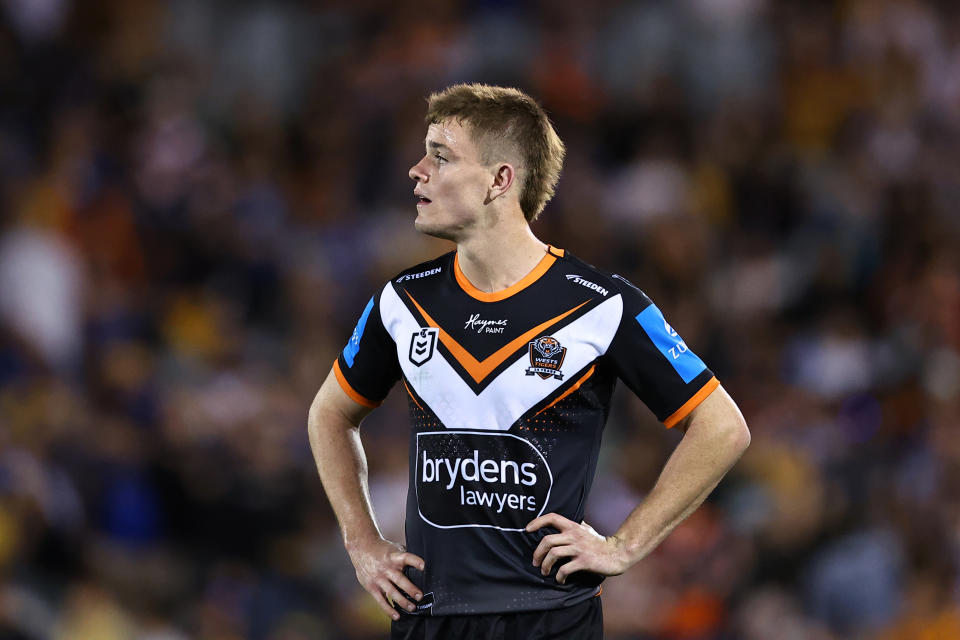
496	116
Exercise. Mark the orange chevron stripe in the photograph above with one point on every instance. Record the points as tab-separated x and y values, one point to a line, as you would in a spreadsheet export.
478	369
407	387
575	386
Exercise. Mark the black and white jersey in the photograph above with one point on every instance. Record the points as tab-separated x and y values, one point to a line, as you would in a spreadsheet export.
508	394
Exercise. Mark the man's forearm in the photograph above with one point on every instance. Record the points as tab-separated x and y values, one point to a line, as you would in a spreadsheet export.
716	437
333	427
342	465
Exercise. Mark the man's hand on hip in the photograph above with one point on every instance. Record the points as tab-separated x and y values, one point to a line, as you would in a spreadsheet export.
379	568
587	549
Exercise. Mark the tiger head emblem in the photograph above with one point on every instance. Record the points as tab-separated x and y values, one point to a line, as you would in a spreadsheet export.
547	346
546	358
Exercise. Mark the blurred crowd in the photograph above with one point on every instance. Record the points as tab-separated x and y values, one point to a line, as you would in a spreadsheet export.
198	196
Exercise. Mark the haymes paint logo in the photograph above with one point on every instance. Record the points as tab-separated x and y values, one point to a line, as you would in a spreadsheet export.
480	479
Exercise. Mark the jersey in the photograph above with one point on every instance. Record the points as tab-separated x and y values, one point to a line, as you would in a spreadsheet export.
508	395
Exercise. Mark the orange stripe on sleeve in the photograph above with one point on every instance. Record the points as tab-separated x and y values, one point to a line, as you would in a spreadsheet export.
350	391
692	403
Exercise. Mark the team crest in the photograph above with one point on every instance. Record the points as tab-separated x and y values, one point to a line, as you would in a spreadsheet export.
546	357
422	345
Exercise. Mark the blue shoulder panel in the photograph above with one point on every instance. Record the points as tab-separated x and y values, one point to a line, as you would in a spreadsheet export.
350	351
671	345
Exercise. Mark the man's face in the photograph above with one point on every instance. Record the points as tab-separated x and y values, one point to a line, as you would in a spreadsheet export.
452	184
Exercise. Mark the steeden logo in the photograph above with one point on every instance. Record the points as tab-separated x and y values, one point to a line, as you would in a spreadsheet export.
572	277
422	274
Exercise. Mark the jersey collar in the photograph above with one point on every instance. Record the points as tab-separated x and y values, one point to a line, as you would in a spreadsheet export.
542	267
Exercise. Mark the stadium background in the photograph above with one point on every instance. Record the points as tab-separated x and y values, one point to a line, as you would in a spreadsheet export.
197	198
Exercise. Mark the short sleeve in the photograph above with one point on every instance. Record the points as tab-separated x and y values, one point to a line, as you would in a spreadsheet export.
367	367
654	361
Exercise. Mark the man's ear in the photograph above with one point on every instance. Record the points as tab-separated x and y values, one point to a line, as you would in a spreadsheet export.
503	178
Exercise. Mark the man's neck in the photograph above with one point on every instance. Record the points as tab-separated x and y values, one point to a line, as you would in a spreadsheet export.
500	258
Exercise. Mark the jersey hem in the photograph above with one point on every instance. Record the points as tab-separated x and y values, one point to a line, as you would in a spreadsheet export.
562	603
350	391
692	403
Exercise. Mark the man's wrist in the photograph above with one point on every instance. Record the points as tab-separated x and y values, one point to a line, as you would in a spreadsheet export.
354	542
621	551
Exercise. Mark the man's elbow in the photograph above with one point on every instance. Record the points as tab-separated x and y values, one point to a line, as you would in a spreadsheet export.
737	435
732	425
332	411
725	430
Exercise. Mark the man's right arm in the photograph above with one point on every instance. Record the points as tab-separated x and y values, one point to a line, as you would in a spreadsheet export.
334	429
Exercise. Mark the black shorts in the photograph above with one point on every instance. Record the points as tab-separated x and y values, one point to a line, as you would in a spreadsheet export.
582	621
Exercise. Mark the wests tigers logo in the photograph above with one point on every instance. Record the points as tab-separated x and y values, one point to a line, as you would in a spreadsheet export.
546	357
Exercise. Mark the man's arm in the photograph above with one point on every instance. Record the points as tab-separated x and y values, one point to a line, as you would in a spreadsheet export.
334	429
716	435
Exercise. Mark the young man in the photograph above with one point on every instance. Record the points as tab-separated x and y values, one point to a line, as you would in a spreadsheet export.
508	349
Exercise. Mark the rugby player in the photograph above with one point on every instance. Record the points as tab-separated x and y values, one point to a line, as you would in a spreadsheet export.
508	349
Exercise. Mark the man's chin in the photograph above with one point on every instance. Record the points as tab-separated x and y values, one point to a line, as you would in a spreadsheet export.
437	231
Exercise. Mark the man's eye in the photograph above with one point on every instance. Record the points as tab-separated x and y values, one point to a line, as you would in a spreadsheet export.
439	157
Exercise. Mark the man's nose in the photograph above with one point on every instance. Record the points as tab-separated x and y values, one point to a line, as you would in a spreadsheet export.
417	173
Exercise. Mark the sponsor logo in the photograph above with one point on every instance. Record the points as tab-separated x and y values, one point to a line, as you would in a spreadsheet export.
680	347
480	479
426	602
422	274
422	345
353	345
586	283
485	326
670	344
546	357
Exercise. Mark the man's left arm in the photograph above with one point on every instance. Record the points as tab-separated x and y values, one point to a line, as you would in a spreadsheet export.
715	437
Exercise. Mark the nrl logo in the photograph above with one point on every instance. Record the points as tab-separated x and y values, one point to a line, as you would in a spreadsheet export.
422	345
546	357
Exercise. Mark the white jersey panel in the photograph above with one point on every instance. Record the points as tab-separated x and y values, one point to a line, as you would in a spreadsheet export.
513	392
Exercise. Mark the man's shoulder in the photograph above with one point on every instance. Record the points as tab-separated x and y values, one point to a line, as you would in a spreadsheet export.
425	270
604	282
